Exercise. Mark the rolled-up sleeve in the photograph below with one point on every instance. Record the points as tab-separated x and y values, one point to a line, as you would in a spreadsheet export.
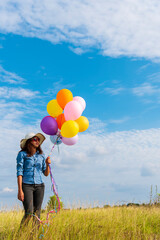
20	161
43	164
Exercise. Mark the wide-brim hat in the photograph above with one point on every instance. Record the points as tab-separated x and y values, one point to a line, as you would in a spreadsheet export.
31	135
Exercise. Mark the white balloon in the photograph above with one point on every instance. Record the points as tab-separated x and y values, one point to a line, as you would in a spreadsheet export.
81	101
70	141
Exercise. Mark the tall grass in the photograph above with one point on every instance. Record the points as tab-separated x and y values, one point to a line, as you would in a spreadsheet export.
110	223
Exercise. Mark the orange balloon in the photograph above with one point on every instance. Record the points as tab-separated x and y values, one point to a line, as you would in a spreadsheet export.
63	97
60	120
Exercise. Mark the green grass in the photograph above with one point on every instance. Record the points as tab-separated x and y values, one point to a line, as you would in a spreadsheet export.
110	223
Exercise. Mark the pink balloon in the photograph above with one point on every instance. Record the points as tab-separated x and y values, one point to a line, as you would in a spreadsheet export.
70	141
72	110
81	101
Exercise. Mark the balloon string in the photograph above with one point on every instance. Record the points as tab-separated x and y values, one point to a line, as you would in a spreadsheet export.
58	137
54	189
56	194
57	198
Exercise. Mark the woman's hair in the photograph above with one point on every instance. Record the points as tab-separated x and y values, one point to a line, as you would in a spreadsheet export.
27	148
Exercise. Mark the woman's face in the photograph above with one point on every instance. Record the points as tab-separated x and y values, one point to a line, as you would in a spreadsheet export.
35	141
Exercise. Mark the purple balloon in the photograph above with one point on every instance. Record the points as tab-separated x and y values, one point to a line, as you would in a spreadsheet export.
49	125
70	141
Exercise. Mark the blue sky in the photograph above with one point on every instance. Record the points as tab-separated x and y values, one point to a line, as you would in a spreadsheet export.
110	62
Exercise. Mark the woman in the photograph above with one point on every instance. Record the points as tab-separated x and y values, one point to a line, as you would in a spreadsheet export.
31	163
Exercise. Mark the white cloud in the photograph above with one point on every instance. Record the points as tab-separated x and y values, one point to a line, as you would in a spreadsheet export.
143	67
97	126
10	77
57	86
113	91
146	89
119	121
116	28
155	77
7	189
18	93
121	157
128	160
146	171
116	161
78	51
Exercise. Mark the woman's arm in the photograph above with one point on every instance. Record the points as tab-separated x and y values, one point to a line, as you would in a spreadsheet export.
20	191
20	162
47	171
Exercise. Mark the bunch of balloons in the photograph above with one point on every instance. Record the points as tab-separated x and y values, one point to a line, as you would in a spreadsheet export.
65	121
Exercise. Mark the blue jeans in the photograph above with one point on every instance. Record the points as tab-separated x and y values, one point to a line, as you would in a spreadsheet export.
33	198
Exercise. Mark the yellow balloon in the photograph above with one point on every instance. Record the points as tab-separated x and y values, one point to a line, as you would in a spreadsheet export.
53	108
83	123
69	129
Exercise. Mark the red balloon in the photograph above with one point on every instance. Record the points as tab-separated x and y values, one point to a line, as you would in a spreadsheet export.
60	120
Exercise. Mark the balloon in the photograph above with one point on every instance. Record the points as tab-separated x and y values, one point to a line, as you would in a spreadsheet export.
53	108
55	139
49	125
63	97
69	129
72	110
81	101
70	141
60	120
83	123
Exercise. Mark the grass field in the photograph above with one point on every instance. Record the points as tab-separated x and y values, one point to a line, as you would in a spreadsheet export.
101	223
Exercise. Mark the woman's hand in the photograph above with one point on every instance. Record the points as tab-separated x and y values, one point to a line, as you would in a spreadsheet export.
48	161
21	195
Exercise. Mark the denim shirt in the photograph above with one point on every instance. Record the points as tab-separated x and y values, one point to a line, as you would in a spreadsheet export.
31	168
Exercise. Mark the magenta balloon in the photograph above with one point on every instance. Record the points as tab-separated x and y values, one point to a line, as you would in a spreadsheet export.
70	141
49	125
72	110
81	101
